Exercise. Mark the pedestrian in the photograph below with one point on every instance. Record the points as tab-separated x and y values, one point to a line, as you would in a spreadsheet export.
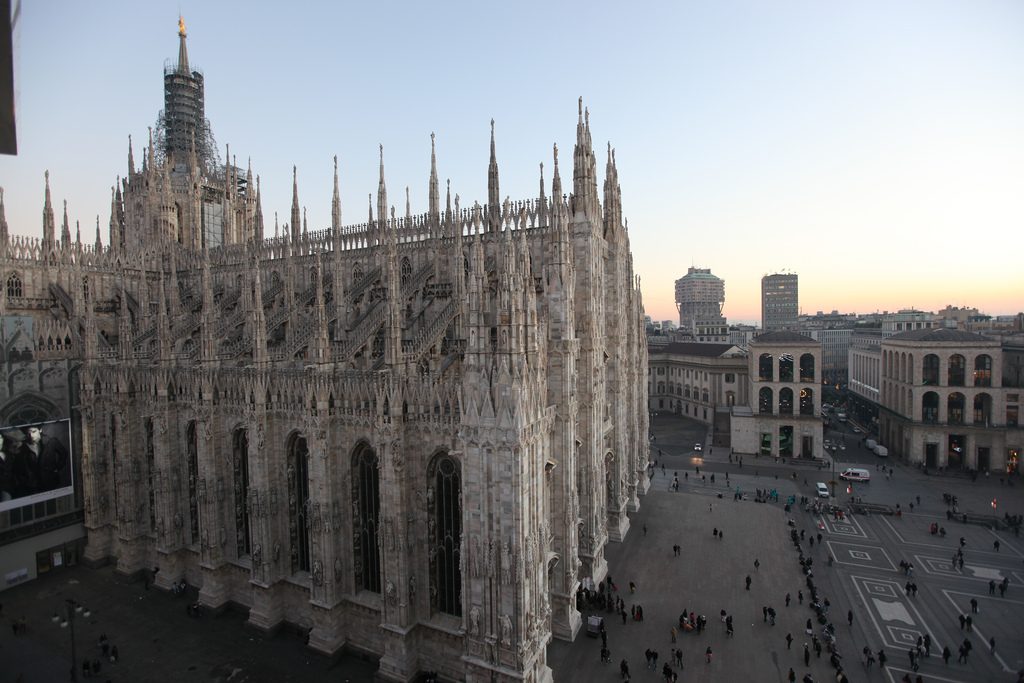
946	654
674	634
787	599
721	535
812	542
807	655
800	597
992	587
632	587
113	654
789	641
679	658
714	532
881	659
992	644
645	528
963	621
764	613
748	581
849	617
757	565
707	655
974	605
995	544
791	676
623	612
1003	585
970	623
927	645
624	669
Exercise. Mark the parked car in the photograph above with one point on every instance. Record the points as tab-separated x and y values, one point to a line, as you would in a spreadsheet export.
822	490
698	447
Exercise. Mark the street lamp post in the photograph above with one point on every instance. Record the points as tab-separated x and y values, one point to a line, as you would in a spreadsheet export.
72	607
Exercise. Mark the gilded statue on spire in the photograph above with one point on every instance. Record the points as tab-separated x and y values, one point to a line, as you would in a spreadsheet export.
181	26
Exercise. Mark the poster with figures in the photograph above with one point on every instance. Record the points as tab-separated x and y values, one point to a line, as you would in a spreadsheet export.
35	463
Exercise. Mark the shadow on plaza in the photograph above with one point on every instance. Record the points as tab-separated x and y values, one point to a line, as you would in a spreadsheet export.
156	639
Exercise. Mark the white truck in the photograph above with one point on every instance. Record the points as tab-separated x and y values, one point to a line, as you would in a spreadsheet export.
881	451
871	443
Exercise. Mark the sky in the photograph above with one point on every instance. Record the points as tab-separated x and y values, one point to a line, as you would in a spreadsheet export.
874	148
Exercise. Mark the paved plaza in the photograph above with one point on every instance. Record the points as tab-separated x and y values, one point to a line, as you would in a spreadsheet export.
866	577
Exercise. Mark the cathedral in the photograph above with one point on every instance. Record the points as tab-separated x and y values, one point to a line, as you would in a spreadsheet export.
412	436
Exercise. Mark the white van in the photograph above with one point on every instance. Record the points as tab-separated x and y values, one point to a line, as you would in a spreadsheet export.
822	490
855	474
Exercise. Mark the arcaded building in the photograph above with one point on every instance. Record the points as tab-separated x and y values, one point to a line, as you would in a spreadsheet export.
783	418
948	400
414	435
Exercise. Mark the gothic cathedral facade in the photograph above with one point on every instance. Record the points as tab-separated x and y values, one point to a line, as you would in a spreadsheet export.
414	436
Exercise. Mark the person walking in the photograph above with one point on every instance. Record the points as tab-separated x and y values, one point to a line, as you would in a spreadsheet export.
624	669
791	676
757	564
748	581
707	655
992	587
789	641
946	654
800	597
992	644
970	623
881	659
764	614
674	634
807	655
927	645
849	617
787	599
974	605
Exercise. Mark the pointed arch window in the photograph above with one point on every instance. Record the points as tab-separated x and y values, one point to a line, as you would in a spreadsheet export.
150	467
366	506
192	449
240	464
14	285
298	504
406	272
444	499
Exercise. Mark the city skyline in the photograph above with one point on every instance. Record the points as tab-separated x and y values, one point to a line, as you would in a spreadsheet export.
861	154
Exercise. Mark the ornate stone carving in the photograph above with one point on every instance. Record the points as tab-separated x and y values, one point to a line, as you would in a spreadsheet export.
318	573
390	593
412	589
506	630
474	620
337	570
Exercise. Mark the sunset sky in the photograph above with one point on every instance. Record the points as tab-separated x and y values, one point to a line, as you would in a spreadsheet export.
874	148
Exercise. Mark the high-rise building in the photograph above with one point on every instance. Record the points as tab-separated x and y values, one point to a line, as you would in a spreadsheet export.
387	431
780	303
700	297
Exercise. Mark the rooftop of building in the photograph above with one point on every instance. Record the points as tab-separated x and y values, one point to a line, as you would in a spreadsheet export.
782	337
706	350
940	334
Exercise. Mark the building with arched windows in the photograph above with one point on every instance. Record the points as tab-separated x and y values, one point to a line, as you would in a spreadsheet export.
783	419
950	399
412	436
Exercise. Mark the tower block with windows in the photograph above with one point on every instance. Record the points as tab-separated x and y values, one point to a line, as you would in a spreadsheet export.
413	436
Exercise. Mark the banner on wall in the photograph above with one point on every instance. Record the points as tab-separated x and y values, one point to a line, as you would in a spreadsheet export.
35	463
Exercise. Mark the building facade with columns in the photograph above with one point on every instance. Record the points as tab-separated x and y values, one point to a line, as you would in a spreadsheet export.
947	401
414	436
783	419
